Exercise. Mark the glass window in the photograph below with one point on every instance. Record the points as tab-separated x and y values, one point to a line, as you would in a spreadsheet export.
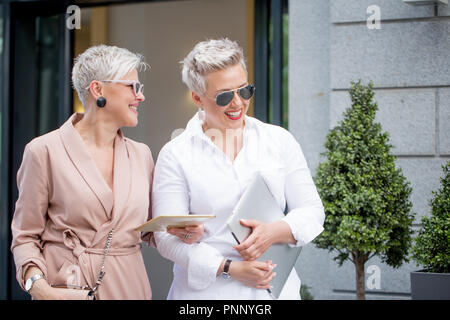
93	31
48	46
4	225
284	68
1	84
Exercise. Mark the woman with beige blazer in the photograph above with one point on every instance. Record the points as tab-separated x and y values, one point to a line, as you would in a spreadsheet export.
84	188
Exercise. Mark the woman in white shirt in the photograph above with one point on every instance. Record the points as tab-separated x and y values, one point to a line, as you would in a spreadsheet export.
206	169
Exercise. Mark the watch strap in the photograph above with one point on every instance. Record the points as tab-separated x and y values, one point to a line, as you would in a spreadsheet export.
29	283
226	267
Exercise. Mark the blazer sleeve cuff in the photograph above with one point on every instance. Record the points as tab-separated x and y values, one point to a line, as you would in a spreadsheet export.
25	256
22	270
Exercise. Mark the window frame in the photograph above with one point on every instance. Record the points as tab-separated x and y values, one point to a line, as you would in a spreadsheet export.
270	59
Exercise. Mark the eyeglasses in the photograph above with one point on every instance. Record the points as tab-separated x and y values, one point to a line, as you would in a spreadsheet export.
224	98
137	86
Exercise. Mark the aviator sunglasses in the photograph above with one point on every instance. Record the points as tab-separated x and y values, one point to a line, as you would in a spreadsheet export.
224	98
137	86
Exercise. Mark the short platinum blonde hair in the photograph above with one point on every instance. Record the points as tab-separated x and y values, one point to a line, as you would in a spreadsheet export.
103	62
209	56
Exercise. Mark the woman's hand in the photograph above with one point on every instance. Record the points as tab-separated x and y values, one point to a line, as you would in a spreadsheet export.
40	290
189	235
262	237
71	294
254	274
43	291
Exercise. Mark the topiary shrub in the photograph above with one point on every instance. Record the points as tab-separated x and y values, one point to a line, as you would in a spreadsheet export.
305	294
432	245
366	198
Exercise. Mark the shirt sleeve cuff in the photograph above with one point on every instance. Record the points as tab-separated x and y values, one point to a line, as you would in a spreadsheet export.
304	228
204	261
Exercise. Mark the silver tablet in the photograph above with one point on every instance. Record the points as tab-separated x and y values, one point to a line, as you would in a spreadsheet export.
258	203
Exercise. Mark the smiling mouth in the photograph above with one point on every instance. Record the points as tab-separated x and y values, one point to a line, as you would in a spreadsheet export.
234	115
133	108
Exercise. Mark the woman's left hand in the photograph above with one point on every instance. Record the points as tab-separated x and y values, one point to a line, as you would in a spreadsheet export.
262	237
189	235
257	242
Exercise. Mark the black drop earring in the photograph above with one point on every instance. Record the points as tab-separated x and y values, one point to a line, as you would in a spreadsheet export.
101	102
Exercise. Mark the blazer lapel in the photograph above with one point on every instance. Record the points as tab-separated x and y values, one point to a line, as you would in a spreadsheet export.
122	175
82	160
122	187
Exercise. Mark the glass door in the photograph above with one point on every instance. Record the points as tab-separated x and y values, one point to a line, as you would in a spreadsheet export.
40	98
4	249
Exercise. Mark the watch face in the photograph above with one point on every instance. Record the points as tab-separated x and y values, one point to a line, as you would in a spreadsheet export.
28	285
30	281
226	275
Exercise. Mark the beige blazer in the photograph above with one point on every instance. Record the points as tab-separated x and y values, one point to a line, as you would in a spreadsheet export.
65	210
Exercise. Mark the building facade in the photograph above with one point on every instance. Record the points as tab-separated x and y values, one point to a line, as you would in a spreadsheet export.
404	50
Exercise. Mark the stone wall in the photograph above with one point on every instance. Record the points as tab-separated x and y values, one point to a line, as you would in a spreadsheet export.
409	63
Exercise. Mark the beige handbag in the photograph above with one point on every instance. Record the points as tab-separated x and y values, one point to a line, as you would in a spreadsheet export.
74	292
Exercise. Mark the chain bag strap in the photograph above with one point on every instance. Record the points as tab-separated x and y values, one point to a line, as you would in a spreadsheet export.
102	268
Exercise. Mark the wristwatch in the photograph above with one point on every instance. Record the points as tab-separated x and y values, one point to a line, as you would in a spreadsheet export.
226	267
29	283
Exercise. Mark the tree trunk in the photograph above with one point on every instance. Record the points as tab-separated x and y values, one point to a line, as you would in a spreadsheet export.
359	261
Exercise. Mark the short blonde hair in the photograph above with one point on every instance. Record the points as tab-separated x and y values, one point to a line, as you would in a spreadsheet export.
103	62
209	56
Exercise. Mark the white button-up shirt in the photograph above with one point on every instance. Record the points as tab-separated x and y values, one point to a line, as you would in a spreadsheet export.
193	176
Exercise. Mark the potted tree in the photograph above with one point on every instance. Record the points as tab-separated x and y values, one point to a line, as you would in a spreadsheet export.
366	198
431	247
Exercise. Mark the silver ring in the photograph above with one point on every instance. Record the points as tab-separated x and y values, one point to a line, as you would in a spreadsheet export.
187	236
